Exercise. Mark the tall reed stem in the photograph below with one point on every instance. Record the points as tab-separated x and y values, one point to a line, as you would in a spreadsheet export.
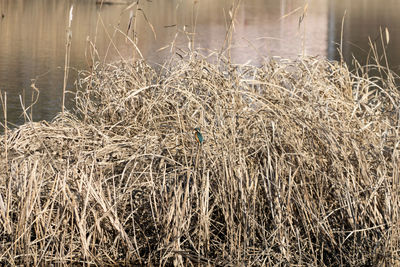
5	125
67	57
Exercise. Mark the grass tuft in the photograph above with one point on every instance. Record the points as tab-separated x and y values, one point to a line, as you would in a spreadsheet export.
299	165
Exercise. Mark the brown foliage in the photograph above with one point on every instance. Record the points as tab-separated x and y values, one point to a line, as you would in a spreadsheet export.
299	166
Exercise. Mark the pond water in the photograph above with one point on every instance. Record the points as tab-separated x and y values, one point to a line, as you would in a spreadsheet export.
33	37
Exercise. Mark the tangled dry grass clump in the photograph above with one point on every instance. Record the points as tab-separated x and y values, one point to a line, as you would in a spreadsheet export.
299	166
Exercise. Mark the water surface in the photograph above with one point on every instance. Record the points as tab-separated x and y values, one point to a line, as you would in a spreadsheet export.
33	37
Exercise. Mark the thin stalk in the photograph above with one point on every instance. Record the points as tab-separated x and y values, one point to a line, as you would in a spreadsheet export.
4	103
67	58
229	33
341	39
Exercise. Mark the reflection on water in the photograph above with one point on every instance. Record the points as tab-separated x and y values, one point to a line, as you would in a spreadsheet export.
363	19
32	43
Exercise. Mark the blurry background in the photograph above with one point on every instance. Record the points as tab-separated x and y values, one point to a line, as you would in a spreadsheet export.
33	37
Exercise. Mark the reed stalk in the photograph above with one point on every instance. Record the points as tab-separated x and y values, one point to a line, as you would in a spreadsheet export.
4	105
67	56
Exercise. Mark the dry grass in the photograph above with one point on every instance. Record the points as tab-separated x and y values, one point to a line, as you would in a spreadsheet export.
299	166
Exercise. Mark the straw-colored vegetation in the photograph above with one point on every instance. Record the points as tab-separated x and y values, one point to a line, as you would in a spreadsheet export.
299	166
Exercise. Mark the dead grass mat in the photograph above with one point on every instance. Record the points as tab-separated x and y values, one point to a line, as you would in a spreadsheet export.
299	166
